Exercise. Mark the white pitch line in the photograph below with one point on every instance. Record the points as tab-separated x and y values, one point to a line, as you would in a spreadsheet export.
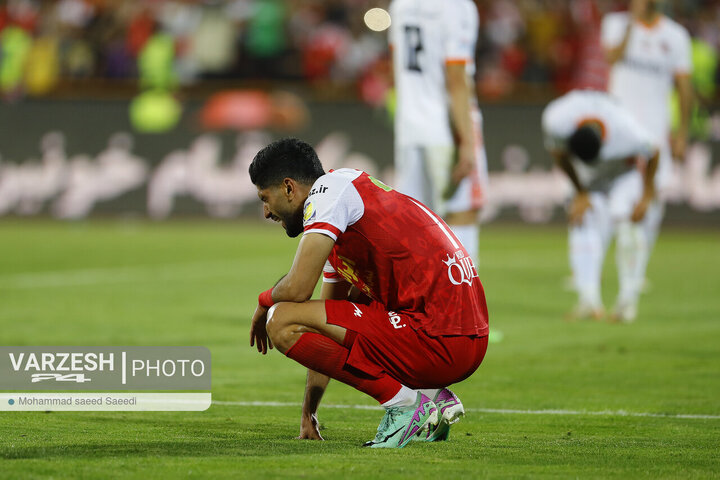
603	413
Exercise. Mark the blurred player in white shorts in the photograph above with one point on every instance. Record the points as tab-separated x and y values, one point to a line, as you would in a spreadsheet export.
439	152
650	53
612	161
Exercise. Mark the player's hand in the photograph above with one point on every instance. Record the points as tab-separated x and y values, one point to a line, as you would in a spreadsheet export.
641	207
580	204
309	428
258	330
679	145
465	163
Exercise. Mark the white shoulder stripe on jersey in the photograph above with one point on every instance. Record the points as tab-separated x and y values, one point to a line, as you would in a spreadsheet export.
323	231
439	224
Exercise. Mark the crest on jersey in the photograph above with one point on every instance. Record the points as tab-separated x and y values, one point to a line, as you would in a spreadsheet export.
461	268
309	212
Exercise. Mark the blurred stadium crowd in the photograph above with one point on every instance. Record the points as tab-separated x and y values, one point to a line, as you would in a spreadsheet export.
524	44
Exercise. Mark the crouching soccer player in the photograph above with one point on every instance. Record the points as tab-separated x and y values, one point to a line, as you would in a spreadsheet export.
423	323
611	160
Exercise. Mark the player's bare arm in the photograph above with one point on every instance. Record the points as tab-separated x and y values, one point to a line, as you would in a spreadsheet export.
683	83
581	202
296	287
648	188
316	383
459	94
314	389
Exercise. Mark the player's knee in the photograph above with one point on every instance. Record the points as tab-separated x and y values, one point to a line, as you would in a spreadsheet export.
280	325
276	318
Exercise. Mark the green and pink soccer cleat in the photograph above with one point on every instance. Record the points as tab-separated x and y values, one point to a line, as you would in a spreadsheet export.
401	424
450	409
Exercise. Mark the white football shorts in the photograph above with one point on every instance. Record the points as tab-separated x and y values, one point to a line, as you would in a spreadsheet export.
423	172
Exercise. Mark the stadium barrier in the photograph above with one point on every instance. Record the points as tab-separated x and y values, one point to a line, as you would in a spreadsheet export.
74	158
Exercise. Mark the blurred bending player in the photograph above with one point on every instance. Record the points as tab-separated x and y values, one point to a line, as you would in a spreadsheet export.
439	153
611	161
403	312
649	53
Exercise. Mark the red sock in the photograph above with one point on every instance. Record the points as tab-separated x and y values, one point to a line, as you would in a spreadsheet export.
323	355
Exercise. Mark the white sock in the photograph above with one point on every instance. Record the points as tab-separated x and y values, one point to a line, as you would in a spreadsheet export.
651	227
631	257
651	223
404	398
589	297
430	392
586	256
469	236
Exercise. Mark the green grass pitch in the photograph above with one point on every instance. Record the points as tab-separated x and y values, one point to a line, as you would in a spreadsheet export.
552	399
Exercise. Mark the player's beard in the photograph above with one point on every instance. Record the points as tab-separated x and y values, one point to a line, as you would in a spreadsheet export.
293	223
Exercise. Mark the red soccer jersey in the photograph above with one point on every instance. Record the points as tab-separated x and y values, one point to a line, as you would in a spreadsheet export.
398	252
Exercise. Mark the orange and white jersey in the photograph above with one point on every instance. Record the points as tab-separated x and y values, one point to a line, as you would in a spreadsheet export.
643	79
623	137
425	35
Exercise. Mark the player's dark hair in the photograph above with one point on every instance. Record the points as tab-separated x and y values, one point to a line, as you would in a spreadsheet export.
585	143
285	158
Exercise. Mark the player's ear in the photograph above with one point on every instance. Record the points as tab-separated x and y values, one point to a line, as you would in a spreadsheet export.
289	185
